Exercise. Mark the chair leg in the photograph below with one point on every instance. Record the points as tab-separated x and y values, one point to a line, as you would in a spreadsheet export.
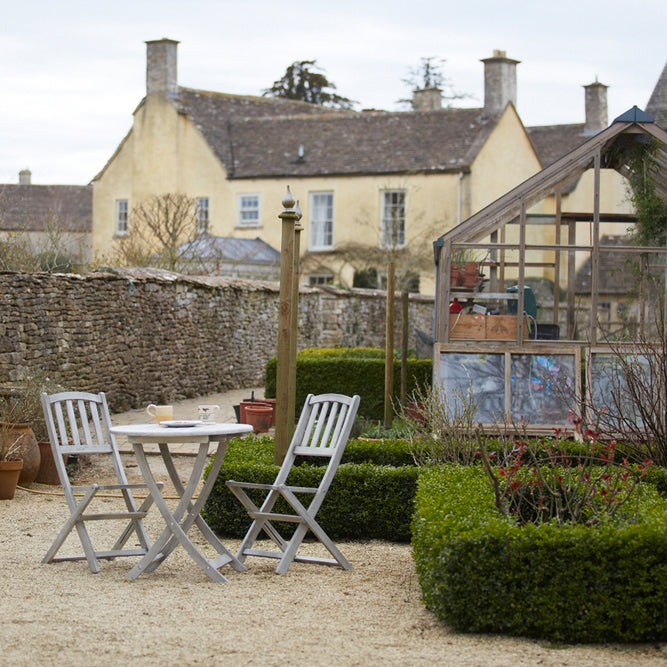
136	526
75	521
292	548
309	523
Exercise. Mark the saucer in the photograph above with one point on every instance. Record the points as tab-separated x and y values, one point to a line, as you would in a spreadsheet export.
180	423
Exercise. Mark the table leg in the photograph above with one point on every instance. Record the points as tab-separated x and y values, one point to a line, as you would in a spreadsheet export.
173	532
194	511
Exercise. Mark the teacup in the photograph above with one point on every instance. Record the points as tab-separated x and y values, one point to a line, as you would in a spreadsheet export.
161	413
207	413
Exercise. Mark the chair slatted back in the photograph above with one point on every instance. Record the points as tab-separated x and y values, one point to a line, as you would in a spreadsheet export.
79	423
322	432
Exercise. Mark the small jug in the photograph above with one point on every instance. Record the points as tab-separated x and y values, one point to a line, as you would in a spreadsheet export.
207	413
161	413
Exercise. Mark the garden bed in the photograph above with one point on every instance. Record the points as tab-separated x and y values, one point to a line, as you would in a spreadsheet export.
481	572
371	496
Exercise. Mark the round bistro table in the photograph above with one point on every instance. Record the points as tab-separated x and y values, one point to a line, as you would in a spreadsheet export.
180	520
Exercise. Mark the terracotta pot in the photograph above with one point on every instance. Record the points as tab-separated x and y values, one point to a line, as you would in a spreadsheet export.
48	473
242	407
258	416
28	450
471	277
9	477
271	402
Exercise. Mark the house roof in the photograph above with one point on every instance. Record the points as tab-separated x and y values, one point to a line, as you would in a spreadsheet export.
36	207
615	145
657	104
553	141
258	137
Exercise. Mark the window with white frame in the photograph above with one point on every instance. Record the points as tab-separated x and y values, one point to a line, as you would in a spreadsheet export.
320	233
392	223
320	279
249	210
202	215
121	217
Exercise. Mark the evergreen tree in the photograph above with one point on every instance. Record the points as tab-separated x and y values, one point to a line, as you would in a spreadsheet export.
306	82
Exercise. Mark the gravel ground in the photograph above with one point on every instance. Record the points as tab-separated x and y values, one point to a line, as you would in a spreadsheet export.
313	615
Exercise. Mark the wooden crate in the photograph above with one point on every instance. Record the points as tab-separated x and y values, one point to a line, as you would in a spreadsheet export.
484	327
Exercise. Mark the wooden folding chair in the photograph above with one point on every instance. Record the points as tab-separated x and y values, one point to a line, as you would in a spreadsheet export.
322	433
78	423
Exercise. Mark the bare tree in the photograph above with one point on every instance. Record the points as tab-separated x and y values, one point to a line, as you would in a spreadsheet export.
628	396
48	249
429	74
159	228
410	249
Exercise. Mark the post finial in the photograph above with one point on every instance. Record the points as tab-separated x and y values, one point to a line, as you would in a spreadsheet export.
288	199
297	210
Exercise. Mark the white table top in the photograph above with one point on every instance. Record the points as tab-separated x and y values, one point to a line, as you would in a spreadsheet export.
156	433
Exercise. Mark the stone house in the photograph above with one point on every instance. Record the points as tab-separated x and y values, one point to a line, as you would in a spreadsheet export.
44	218
368	183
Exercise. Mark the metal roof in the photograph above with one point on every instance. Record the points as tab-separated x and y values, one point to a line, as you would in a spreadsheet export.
254	251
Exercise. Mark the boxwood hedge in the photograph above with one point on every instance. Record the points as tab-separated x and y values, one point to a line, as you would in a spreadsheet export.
481	573
371	497
349	371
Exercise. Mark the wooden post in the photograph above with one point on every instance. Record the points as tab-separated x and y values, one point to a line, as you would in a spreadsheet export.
289	217
389	349
405	310
294	327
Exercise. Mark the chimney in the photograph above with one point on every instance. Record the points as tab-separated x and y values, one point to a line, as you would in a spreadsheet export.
499	83
427	99
161	59
25	177
596	107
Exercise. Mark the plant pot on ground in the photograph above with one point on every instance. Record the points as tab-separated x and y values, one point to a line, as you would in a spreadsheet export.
9	477
48	473
22	421
259	416
18	440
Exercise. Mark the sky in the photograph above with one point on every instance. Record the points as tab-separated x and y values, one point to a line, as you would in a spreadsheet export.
72	72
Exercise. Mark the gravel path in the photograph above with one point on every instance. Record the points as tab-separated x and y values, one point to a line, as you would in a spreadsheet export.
313	615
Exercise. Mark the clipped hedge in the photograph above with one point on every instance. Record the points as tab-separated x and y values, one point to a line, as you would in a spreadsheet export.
349	371
480	573
366	500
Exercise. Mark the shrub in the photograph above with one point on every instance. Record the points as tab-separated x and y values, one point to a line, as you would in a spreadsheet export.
538	483
439	430
366	500
349	371
481	572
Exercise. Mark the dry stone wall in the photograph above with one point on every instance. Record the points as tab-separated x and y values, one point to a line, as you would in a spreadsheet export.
153	336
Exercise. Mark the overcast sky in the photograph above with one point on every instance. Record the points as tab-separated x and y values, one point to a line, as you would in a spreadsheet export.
72	72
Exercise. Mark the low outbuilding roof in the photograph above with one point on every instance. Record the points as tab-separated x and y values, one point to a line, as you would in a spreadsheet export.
38	207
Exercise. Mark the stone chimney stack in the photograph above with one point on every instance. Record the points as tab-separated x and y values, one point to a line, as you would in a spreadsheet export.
25	177
427	99
499	83
161	60
596	107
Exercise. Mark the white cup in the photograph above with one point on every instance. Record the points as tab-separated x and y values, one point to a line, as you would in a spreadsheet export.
161	413
207	413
